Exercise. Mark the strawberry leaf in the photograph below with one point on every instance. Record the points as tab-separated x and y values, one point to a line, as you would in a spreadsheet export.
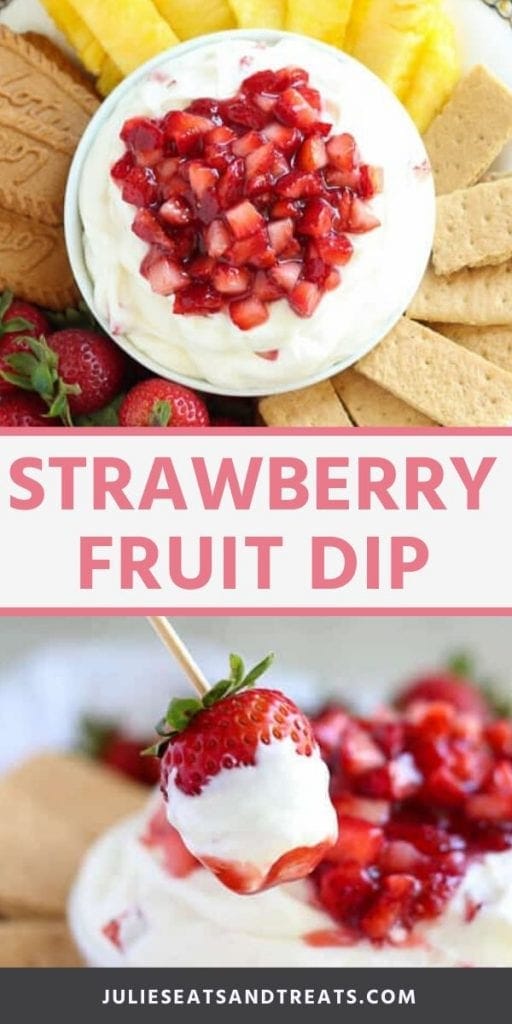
107	417
18	323
258	670
180	712
217	692
5	301
160	414
237	668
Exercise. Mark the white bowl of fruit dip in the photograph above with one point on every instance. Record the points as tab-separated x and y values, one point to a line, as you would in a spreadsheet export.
249	233
421	873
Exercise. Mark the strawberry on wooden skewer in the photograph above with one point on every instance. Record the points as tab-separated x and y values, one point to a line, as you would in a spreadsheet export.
243	779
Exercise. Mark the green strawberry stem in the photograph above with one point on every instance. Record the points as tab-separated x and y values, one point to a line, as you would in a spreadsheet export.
182	710
16	323
38	370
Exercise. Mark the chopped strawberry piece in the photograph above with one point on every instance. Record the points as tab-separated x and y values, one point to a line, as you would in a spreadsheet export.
264	288
176	211
371	181
332	280
358	841
286	77
241	112
141	133
217	238
304	298
316	219
280	233
270	354
262	81
342	152
335	249
198	299
247	143
299	185
254	250
489	807
119	170
248	313
286	208
283	137
391	907
285	275
260	160
359	754
231	185
147	227
361	218
201	268
499	735
377	812
164	275
140	187
399	856
220	137
231	280
244	220
346	890
312	155
202	179
293	109
186	130
311	95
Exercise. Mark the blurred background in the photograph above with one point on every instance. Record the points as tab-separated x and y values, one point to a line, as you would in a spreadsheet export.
99	683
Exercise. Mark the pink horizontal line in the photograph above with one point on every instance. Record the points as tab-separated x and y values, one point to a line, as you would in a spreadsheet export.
261	612
354	432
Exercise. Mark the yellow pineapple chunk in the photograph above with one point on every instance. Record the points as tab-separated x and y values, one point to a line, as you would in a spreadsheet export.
323	19
357	18
109	77
77	33
436	74
259	13
129	35
189	19
390	37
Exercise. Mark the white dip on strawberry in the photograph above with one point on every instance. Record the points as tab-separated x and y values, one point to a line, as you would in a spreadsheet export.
285	791
273	306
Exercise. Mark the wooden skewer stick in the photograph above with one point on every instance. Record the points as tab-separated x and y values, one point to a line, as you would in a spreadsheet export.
175	645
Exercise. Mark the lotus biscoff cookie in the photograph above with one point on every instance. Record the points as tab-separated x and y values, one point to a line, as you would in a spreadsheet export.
33	261
470	132
38	98
453	386
33	943
317	406
480	296
473	227
371	406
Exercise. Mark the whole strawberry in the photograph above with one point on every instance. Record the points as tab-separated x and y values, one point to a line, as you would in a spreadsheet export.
92	362
161	403
22	409
245	784
76	371
17	319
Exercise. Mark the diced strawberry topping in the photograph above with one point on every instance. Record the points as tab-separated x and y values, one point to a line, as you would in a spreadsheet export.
229	190
419	794
248	313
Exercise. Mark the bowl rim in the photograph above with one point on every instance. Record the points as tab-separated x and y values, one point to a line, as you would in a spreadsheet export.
73	227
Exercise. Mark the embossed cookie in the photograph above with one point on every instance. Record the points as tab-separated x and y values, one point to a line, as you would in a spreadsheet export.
33	943
43	112
33	262
39	99
317	406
